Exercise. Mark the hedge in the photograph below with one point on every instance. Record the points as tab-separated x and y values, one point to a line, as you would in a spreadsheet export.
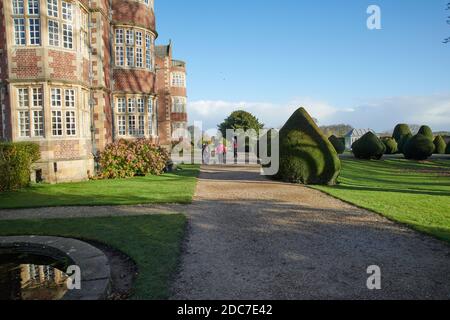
447	150
369	146
306	155
125	159
427	132
16	159
419	147
403	141
400	131
391	145
439	145
337	143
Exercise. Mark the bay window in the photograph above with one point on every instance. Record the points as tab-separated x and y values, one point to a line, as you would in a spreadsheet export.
26	22
134	115
133	48
62	102
30	112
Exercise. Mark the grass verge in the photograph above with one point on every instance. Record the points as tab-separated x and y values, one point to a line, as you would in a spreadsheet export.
153	242
177	187
414	193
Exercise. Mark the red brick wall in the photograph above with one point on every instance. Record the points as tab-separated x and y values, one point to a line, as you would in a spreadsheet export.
63	65
133	12
67	149
179	117
106	52
26	64
134	81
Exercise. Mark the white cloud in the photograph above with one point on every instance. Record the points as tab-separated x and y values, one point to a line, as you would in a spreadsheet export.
379	114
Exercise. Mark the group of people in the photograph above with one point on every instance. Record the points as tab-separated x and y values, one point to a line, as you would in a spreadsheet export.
218	151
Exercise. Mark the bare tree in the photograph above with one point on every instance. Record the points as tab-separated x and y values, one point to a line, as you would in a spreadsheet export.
448	21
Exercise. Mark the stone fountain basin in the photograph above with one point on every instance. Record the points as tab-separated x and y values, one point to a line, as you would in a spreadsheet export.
94	265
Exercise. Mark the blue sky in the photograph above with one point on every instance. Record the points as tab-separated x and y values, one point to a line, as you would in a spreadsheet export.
270	57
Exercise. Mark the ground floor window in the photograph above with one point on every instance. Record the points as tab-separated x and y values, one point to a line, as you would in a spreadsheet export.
134	115
30	114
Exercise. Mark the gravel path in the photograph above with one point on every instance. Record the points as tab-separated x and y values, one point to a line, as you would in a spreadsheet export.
252	238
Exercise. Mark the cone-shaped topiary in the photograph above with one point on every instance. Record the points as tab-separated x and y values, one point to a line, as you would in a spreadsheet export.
403	141
419	147
391	145
306	155
337	144
369	146
400	131
439	145
426	131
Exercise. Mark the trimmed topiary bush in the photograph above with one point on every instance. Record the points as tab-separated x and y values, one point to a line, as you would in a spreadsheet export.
126	159
419	147
439	145
400	131
427	132
337	144
447	150
306	155
403	141
391	145
369	146
16	159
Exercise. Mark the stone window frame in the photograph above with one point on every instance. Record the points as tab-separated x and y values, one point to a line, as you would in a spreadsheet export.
27	111
178	79
65	24
132	51
180	105
28	22
133	118
64	113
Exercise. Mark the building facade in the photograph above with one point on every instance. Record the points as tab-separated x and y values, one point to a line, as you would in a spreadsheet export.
76	75
172	98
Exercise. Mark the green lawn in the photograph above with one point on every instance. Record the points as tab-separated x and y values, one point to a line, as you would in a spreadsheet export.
414	193
153	242
175	187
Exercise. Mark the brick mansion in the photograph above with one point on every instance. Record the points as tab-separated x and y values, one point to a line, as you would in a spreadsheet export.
76	75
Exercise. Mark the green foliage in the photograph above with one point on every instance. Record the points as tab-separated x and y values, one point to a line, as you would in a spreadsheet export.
240	120
427	132
391	145
400	131
369	146
337	143
126	159
306	155
16	159
447	150
439	145
403	141
419	147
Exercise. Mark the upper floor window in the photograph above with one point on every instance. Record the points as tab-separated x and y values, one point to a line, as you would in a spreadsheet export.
178	79
133	48
60	24
26	22
179	104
